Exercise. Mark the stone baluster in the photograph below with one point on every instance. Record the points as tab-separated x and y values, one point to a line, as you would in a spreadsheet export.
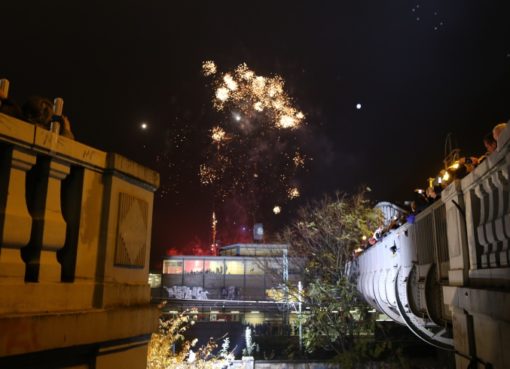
483	197
472	211
15	220
456	233
502	222
48	228
492	210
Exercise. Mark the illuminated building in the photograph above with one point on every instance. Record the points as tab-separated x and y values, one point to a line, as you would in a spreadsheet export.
242	284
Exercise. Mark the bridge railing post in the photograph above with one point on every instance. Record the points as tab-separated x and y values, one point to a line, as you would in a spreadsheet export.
458	252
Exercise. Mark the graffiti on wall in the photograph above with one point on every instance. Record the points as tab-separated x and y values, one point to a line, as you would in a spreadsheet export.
186	293
230	293
198	293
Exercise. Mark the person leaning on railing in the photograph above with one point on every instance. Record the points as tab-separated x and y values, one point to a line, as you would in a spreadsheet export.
40	111
490	140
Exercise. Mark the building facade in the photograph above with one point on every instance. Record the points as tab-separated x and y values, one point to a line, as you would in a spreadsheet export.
243	284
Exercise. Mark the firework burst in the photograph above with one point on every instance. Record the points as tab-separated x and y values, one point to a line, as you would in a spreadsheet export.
255	149
218	135
251	94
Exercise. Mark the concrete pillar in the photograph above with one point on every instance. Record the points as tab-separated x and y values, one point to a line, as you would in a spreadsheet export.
453	199
463	337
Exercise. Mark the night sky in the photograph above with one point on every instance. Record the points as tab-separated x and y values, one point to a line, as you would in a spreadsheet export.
419	71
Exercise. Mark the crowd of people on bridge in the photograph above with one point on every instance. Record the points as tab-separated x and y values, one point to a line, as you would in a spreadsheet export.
455	167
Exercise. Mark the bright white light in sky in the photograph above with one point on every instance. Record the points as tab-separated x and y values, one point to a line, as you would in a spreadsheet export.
358	106
143	125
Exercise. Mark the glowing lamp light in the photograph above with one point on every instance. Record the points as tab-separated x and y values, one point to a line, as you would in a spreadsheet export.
237	117
277	209
143	125
358	106
454	166
446	176
364	238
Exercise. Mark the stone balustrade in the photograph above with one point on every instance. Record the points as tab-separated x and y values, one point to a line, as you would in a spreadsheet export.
487	211
75	228
448	277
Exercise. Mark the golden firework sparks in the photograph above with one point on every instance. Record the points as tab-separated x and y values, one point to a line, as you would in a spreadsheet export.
287	121
218	134
230	82
293	193
249	153
222	93
248	92
207	174
298	159
209	68
243	72
258	106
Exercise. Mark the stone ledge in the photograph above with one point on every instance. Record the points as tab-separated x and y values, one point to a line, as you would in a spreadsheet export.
34	298
29	333
118	163
21	297
15	130
68	149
